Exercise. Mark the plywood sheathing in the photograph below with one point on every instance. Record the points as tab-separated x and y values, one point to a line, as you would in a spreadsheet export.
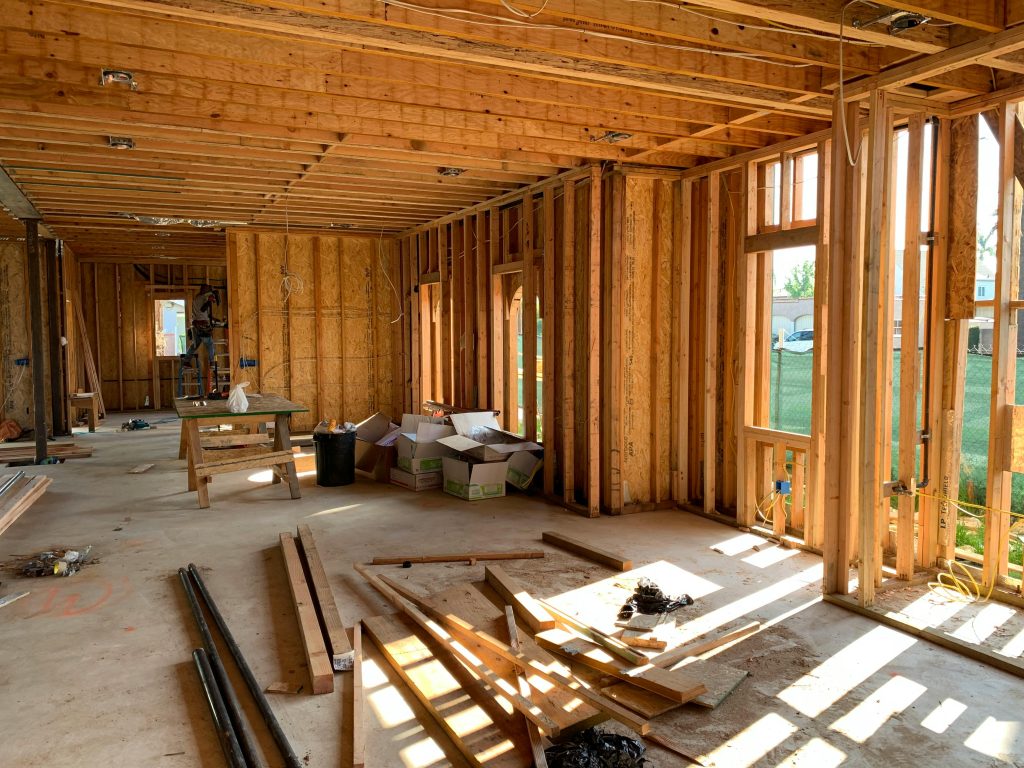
324	338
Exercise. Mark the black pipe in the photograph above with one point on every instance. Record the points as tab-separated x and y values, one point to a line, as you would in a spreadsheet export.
250	680
38	354
221	721
231	703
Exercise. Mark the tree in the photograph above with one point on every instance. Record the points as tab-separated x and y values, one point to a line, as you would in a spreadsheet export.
800	283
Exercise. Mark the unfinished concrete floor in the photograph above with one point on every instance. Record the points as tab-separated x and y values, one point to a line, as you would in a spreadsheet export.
96	670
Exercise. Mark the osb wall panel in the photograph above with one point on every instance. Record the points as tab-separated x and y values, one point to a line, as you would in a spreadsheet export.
647	258
315	312
961	260
15	340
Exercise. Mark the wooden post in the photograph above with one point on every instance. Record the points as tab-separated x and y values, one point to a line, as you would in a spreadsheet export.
54	302
594	346
814	500
447	392
711	341
549	358
482	342
38	343
841	400
1004	354
567	365
613	346
908	433
746	285
876	346
682	246
529	310
497	319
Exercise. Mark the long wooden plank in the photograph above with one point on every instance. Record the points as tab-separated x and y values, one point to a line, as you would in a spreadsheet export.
540	760
342	654
321	675
459	557
608	642
539	665
356	707
469	727
699	647
536	616
19	497
678	685
271	459
581	548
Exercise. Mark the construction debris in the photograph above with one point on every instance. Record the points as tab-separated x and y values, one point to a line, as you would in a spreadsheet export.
594	748
649	599
57	562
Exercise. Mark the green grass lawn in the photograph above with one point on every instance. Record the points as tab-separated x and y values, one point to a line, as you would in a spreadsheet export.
790	410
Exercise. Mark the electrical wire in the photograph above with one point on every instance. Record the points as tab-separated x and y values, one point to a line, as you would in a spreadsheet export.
512	9
842	100
947	584
963	505
383	269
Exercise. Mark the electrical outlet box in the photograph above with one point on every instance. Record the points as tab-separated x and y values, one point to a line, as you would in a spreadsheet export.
783	487
22	361
247	362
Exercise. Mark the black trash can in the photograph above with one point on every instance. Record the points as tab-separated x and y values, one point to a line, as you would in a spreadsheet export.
335	458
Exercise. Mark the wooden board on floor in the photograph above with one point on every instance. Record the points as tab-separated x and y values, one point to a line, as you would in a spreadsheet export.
138	469
535	615
19	497
581	548
460	557
470	727
27	451
679	685
321	674
570	712
356	708
334	629
719	679
640	701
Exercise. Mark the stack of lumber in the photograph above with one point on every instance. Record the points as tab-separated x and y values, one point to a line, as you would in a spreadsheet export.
27	451
21	495
504	675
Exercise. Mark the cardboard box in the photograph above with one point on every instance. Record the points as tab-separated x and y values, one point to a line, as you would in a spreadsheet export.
417	447
522	468
416	482
479	437
474	481
373	435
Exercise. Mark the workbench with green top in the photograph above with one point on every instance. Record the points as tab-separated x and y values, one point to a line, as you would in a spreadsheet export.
212	453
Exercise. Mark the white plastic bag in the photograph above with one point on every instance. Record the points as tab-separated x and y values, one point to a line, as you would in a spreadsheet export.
237	401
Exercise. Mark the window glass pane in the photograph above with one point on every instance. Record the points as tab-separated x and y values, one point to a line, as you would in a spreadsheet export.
789	407
169	317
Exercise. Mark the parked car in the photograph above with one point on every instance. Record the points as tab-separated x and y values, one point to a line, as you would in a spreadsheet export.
797	341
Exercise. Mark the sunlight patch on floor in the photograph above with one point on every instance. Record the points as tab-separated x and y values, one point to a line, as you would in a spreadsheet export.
987	621
816	753
423	753
753	742
996	738
332	510
770	556
943	716
734	545
895	695
819	689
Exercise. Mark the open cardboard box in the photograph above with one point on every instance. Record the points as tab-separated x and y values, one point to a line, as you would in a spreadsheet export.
375	440
480	438
473	481
417	444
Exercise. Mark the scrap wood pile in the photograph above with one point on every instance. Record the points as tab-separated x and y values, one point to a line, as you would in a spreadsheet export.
16	452
539	679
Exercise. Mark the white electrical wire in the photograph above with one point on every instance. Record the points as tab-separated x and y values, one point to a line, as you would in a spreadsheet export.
512	9
383	268
850	156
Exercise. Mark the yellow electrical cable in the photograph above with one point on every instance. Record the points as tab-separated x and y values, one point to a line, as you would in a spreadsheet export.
957	503
954	588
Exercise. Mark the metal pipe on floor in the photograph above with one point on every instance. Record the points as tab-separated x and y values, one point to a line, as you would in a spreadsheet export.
221	721
246	739
291	761
11	481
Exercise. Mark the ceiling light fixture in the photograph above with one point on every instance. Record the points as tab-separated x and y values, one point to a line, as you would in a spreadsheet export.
612	137
118	77
121	142
897	21
445	170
